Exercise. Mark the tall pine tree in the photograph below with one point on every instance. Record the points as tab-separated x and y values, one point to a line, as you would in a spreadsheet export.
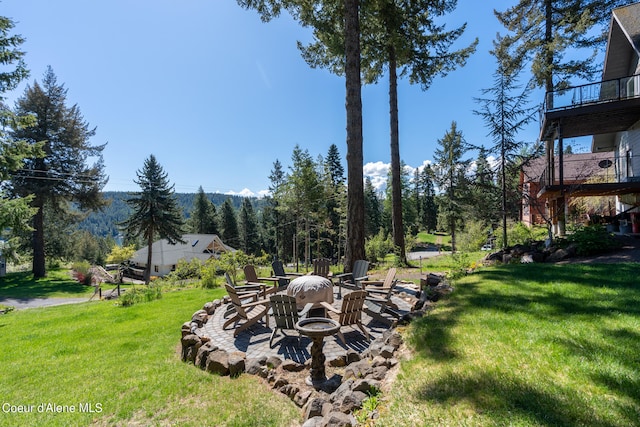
64	175
156	214
451	178
248	229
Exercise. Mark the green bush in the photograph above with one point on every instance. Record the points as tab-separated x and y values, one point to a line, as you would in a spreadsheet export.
138	295
82	272
592	239
209	274
378	247
186	269
520	234
473	237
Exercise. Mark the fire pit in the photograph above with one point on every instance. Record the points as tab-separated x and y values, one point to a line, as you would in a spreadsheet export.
317	328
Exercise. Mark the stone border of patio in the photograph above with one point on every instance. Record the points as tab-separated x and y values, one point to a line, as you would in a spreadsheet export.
356	369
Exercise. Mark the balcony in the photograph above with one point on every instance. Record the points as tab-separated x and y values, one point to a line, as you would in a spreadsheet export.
593	109
587	174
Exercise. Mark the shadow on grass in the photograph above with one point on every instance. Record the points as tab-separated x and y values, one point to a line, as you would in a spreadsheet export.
597	290
23	286
597	295
514	401
616	360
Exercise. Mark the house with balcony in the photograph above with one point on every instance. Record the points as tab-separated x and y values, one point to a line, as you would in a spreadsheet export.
609	112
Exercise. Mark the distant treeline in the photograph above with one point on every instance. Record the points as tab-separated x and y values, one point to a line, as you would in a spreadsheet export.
105	222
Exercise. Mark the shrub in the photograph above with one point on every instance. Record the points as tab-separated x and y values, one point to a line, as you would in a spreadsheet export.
186	270
520	234
138	295
592	239
82	272
473	237
209	274
378	247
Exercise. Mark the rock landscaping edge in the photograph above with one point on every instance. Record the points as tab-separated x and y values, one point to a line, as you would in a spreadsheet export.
334	403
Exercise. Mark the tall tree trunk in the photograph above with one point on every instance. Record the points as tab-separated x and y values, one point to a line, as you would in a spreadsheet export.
147	271
355	188
396	183
39	262
548	39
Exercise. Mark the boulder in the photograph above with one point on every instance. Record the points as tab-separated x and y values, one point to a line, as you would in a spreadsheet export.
236	363
291	366
301	397
203	354
218	362
313	407
273	362
339	419
351	402
254	365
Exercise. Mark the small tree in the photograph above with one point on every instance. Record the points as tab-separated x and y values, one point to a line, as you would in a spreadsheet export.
156	212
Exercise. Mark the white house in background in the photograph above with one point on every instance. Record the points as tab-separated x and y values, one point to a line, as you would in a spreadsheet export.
165	256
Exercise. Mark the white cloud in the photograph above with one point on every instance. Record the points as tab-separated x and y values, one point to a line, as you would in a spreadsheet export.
377	172
244	193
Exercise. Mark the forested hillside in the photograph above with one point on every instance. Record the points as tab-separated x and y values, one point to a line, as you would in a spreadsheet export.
105	223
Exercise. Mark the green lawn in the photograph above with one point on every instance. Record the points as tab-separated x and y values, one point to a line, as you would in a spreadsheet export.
517	345
126	362
526	345
57	284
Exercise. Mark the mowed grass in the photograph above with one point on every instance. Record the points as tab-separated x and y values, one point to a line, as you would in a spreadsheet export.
57	284
516	345
526	345
125	363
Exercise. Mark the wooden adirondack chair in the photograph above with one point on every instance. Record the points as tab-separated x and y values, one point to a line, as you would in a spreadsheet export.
350	312
252	278
355	278
378	303
321	267
283	277
249	288
285	313
250	311
380	286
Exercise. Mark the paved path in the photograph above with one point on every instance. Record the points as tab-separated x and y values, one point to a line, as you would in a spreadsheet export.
414	256
20	303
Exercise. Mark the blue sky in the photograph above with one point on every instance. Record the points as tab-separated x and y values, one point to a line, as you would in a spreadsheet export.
217	95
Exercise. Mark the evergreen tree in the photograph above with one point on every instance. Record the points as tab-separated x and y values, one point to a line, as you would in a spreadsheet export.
505	113
543	31
429	211
426	209
229	224
248	229
203	219
155	210
484	190
372	209
409	212
335	202
15	213
274	218
63	175
302	197
450	176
